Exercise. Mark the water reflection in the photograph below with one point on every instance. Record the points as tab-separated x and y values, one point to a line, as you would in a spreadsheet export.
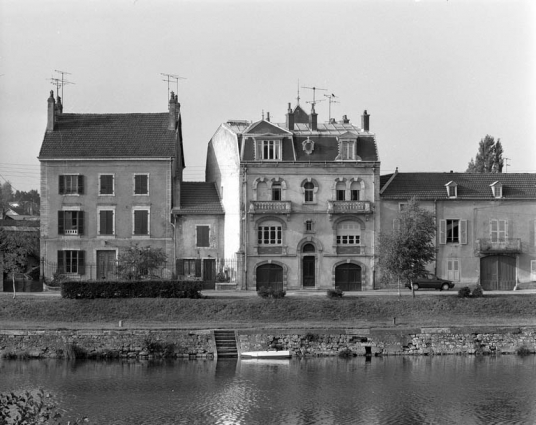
391	390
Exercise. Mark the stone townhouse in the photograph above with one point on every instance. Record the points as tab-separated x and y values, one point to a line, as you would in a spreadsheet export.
107	181
300	200
486	224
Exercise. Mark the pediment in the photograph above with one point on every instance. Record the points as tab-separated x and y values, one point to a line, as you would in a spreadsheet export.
347	135
266	128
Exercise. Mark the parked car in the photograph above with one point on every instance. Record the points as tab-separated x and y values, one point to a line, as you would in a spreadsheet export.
430	280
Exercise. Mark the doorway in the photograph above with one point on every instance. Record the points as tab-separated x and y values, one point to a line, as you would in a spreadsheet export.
106	264
498	273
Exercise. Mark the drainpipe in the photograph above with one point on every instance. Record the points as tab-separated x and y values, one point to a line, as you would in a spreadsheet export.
173	224
245	226
437	237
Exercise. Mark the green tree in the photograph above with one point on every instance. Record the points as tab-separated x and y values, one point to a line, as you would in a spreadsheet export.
489	158
17	247
136	262
405	251
6	195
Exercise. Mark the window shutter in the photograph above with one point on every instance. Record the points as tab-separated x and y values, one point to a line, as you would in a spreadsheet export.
506	229
140	222
396	224
61	224
533	269
463	232
102	222
493	230
442	232
81	262
203	236
198	267
80	222
60	267
61	185
179	266
80	185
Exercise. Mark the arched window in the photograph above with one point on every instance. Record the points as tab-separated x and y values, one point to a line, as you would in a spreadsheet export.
308	248
262	192
348	233
340	191
309	191
355	191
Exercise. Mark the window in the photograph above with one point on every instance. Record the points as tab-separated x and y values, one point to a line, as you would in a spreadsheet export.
202	236
498	230
347	150
309	226
71	184
141	222
340	191
453	231
191	267
496	189
533	270
348	233
276	191
355	191
452	189
106	184
309	191
70	223
71	262
106	223
269	234
402	206
271	150
141	184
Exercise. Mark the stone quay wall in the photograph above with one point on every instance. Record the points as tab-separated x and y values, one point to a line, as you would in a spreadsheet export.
200	344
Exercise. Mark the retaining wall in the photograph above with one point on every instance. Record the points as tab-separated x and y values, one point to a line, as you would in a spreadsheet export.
197	344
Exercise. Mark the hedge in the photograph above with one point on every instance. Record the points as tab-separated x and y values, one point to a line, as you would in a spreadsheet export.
130	289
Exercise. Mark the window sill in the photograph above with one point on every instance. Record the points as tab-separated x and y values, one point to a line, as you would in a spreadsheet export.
105	236
141	236
309	203
106	194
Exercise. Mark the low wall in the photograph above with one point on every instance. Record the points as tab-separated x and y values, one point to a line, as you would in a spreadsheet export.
125	343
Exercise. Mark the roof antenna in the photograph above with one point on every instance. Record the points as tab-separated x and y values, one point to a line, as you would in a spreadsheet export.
59	83
298	98
172	77
314	89
330	98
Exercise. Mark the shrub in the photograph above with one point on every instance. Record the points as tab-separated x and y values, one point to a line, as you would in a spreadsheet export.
264	292
464	292
523	351
131	289
477	292
335	293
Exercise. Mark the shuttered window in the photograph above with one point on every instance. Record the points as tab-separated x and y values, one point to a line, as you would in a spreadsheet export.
106	184
202	239
452	231
71	184
141	222
71	262
106	222
70	223
141	184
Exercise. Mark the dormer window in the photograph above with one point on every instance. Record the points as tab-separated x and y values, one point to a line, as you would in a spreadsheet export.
347	150
452	189
496	189
271	150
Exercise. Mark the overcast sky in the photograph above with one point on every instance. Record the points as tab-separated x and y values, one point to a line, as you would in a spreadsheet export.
436	76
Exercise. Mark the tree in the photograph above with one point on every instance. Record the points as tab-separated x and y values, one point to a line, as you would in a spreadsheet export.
405	252
488	158
136	262
6	195
17	247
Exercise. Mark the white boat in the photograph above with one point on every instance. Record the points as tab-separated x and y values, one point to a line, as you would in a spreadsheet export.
266	354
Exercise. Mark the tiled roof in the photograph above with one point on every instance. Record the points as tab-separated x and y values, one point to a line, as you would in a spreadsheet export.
470	185
19	225
199	198
109	136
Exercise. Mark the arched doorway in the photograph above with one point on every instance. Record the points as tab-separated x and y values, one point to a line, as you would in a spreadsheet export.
270	276
348	277
308	266
498	273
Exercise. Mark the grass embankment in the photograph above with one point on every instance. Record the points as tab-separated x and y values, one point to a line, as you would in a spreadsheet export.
307	312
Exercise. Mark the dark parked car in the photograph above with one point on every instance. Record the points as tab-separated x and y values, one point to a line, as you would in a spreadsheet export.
429	280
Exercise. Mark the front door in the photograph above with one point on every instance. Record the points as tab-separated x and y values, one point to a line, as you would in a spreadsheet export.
308	263
209	273
498	272
348	277
106	264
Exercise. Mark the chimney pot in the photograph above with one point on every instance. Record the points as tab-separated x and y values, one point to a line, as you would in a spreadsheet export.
268	116
51	112
173	111
365	121
290	118
313	118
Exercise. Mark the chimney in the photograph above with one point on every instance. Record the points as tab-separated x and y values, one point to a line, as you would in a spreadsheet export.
345	120
290	118
51	112
173	111
59	106
313	118
365	121
268	116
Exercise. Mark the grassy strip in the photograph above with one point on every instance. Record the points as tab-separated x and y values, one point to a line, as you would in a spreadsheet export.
422	311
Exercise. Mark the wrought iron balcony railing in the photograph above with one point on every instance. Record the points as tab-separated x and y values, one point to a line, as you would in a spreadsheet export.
508	246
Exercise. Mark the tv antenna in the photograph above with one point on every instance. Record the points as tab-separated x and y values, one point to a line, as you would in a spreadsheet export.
169	78
506	164
314	89
330	98
59	83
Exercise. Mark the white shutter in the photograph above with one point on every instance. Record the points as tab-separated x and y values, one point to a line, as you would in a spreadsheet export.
463	232
442	232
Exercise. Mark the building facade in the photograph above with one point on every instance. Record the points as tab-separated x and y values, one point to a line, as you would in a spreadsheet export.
107	181
300	200
486	224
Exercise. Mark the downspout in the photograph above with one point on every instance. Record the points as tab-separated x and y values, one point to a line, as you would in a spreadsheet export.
437	236
245	226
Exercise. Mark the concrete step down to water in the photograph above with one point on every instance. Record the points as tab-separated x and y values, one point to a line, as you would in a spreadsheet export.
225	343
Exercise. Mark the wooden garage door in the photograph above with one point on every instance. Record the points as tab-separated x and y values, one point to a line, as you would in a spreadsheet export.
498	273
348	277
270	276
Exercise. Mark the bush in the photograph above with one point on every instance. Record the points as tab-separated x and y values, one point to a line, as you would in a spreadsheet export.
131	289
464	292
335	293
264	292
477	292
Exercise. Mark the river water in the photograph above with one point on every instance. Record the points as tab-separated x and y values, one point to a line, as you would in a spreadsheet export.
389	390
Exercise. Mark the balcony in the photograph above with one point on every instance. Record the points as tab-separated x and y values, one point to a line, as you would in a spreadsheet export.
270	207
350	207
508	246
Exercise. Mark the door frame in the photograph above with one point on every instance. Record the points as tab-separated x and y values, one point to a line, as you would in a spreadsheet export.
114	250
355	263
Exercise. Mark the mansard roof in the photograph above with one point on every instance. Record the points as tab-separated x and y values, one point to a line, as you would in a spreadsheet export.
143	135
430	186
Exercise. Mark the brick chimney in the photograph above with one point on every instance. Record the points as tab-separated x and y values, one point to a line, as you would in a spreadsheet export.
365	121
174	107
268	116
51	119
344	120
59	106
313	118
290	118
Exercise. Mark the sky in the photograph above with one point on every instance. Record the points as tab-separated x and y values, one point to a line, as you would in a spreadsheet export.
436	76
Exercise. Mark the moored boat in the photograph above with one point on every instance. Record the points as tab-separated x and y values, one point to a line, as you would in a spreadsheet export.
266	354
